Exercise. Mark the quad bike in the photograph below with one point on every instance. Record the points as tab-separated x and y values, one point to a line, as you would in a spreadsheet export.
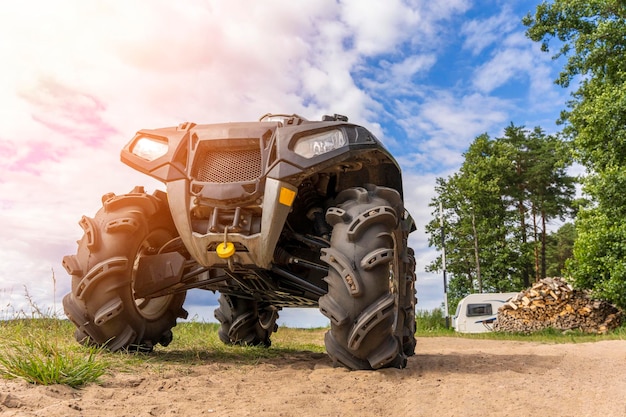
284	212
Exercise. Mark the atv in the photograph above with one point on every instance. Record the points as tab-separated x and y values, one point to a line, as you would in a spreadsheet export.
283	212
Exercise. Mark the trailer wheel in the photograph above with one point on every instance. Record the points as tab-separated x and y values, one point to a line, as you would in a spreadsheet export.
366	273
102	303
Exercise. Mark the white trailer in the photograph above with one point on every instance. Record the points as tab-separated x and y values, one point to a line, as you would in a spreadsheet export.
476	313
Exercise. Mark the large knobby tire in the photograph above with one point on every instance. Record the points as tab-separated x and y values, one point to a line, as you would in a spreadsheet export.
102	303
369	263
243	324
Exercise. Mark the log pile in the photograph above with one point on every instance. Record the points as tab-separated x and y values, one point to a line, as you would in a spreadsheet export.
552	302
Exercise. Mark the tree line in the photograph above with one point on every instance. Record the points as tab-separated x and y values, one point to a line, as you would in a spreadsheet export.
498	205
495	212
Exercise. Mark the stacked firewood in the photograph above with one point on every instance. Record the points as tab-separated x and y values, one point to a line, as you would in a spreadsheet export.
552	302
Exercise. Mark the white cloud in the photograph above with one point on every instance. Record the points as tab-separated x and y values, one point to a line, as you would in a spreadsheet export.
411	66
398	78
502	67
457	119
517	59
379	27
482	33
443	125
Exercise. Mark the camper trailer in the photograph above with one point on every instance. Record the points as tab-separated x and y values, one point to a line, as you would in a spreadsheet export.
476	313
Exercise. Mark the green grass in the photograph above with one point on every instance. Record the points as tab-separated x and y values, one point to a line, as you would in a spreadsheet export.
198	343
34	351
43	350
41	363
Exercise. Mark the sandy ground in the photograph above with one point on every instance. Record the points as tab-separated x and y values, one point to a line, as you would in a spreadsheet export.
446	377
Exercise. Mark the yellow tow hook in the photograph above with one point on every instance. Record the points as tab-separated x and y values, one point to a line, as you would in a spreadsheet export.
226	249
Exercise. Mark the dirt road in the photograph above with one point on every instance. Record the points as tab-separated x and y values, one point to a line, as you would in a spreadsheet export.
447	377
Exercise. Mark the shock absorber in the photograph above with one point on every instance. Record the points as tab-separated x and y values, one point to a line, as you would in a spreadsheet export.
312	203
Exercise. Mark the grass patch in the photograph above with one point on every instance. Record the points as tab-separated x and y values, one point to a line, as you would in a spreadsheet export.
551	335
43	351
33	350
41	363
199	343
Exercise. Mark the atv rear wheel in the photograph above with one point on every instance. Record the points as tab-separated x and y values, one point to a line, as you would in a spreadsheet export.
102	304
369	265
243	323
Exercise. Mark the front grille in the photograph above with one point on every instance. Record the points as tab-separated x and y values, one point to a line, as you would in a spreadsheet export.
224	166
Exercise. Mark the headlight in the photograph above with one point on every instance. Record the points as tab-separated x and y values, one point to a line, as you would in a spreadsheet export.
321	143
149	148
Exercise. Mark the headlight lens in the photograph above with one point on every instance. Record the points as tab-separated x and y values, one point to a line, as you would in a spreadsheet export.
321	143
149	148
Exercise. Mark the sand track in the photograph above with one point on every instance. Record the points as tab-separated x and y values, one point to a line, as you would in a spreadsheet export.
446	377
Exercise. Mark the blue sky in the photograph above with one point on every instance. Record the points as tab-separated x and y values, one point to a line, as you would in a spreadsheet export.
79	78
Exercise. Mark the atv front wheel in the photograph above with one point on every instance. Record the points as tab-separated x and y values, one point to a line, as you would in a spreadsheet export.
243	324
367	289
102	304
